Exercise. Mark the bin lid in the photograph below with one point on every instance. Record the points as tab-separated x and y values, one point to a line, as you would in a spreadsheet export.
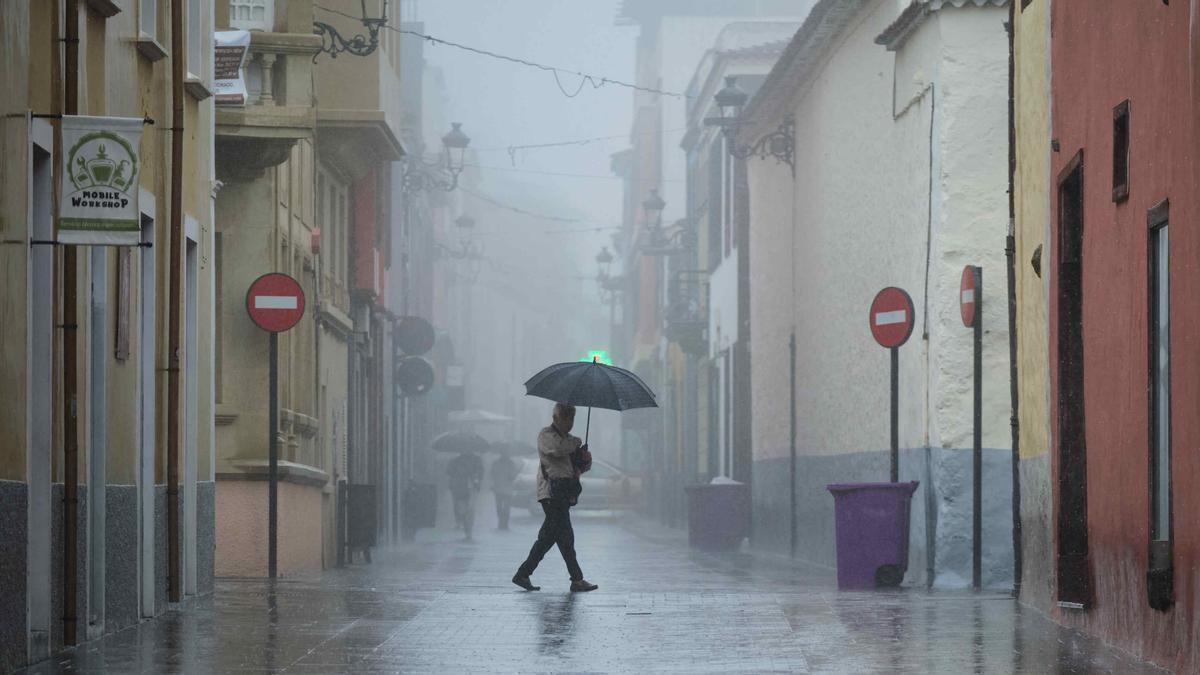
836	488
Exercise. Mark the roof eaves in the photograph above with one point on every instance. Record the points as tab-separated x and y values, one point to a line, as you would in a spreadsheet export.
895	35
826	20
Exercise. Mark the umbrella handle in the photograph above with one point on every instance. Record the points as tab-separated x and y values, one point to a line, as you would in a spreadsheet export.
588	428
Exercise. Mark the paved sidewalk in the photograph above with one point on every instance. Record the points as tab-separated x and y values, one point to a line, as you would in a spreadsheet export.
442	605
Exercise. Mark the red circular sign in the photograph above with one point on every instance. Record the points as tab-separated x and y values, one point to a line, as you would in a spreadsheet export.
891	317
275	302
967	291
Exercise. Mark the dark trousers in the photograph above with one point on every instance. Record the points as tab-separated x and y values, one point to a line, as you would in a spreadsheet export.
556	529
503	504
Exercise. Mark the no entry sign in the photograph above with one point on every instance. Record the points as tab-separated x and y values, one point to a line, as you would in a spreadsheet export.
891	317
275	302
967	293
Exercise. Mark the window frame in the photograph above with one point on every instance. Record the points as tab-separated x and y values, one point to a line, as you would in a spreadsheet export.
267	24
1160	575
1121	146
198	34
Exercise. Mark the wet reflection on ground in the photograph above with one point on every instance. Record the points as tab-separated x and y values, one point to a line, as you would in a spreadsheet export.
442	605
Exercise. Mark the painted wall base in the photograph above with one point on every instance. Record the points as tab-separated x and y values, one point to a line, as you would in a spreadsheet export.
120	557
14	504
241	511
940	518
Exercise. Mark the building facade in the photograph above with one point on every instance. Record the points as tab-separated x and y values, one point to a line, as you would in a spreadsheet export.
306	163
1122	364
106	467
897	111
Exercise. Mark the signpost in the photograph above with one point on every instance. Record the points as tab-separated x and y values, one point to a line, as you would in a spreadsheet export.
971	307
275	303
891	321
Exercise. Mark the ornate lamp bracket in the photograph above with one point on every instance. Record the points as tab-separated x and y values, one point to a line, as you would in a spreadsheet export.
420	176
333	43
780	144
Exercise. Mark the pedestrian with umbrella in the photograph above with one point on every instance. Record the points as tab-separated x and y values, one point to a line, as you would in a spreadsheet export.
564	457
464	473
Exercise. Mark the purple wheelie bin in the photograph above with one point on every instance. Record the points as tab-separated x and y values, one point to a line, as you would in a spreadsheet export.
718	514
872	533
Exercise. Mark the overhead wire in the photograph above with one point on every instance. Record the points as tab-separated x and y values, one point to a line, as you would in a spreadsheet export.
596	81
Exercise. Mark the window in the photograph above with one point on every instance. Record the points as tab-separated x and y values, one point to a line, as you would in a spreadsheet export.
1074	582
252	14
199	49
1120	186
1159	320
148	18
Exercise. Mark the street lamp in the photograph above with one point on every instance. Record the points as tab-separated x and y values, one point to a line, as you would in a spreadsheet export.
333	43
455	142
653	206
731	99
603	262
441	175
779	144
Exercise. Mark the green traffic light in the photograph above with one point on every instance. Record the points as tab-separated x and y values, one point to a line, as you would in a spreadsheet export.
598	355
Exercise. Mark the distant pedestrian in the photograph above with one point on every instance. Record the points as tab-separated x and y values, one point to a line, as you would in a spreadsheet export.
563	458
465	474
503	473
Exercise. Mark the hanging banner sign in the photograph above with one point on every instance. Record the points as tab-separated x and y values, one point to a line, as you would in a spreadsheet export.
99	202
229	67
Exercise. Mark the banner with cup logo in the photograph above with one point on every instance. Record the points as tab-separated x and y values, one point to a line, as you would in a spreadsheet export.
99	191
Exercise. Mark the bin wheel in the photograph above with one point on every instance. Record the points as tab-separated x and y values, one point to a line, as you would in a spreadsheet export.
889	576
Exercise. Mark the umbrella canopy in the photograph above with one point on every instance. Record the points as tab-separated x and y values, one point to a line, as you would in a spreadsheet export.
591	384
460	441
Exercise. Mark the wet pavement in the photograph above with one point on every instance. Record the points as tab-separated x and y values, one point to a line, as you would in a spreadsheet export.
443	605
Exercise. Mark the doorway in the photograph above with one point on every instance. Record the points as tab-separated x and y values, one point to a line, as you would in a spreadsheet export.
147	408
190	405
1074	583
40	341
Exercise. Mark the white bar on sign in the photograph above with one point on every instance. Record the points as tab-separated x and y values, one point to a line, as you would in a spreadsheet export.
888	318
968	295
275	302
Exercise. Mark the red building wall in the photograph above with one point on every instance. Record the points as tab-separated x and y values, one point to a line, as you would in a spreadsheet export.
1104	52
366	255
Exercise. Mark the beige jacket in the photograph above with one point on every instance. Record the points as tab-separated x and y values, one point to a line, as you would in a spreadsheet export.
554	451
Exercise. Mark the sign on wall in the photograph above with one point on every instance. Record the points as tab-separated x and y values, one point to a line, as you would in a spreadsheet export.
99	202
229	56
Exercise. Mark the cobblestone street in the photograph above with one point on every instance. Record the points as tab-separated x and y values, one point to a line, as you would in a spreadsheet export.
442	605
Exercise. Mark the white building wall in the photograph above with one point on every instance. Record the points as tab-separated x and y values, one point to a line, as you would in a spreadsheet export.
867	215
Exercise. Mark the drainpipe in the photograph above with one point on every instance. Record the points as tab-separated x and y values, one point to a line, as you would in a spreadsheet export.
173	302
70	328
1010	250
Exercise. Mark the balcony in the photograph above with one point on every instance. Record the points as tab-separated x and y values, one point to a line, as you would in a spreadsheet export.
279	106
686	317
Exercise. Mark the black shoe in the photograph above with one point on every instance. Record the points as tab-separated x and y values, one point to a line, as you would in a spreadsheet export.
581	586
524	582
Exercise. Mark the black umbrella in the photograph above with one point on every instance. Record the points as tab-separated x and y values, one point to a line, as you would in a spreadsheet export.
592	384
459	441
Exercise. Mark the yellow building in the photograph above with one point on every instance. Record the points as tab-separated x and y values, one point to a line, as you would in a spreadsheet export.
306	166
1031	181
116	424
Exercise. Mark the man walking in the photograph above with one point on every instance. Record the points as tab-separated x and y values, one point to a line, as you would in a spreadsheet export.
465	477
503	472
563	458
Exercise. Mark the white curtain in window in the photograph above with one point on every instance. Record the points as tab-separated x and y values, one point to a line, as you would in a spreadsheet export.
252	14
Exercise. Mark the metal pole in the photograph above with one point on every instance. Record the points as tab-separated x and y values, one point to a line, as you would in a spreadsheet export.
792	449
895	474
273	466
977	469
